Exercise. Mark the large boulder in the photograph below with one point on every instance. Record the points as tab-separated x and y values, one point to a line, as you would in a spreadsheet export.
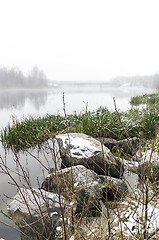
81	149
37	213
81	185
114	187
128	146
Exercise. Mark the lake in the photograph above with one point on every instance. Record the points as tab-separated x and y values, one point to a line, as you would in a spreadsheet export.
18	104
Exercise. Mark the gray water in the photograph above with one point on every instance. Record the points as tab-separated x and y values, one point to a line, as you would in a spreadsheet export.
18	104
22	103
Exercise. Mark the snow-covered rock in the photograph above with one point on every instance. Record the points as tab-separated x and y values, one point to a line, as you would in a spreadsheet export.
81	149
36	212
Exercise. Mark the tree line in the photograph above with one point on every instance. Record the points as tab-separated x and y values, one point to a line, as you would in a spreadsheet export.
14	77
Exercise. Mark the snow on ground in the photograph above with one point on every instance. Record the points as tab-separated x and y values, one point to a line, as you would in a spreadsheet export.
132	218
148	156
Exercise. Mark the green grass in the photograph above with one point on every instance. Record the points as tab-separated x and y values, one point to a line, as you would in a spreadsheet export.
149	99
31	132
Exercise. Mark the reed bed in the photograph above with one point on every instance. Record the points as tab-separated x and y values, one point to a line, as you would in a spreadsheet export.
141	123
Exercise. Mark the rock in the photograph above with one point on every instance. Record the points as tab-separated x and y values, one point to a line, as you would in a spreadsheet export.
81	149
79	184
113	187
108	142
37	213
129	146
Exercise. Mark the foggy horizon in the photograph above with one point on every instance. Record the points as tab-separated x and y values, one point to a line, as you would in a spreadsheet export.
12	78
88	40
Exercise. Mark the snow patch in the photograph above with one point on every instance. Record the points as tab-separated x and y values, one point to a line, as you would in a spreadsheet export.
53	213
148	156
79	147
59	229
72	238
132	217
76	184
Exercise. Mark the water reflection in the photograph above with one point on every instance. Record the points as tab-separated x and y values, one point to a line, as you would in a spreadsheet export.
95	95
27	168
17	98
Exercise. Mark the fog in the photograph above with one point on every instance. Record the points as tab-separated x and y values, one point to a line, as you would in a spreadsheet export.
145	81
15	78
81	40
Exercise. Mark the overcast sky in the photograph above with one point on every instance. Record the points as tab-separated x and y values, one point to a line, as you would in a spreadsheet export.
81	39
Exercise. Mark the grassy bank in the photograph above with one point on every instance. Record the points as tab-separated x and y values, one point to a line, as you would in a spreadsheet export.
148	99
118	125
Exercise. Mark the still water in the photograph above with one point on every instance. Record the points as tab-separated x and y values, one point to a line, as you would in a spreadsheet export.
18	104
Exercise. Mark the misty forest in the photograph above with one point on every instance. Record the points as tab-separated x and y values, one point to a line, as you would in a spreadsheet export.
14	77
36	78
